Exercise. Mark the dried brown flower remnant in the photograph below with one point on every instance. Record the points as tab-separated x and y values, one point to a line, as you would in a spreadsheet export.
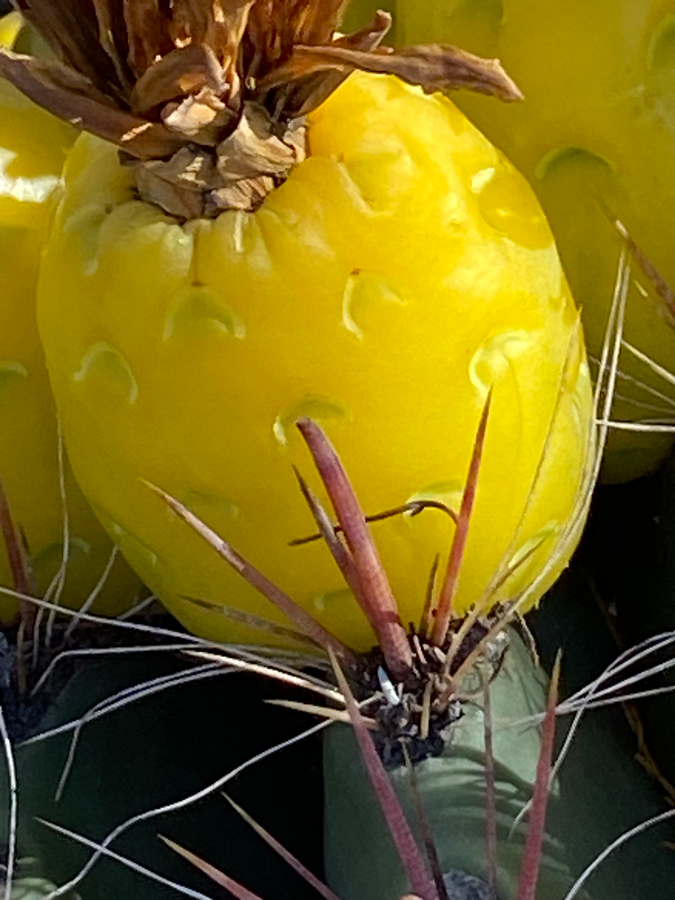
206	97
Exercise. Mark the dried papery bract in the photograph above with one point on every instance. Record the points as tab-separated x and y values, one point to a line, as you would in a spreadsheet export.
206	98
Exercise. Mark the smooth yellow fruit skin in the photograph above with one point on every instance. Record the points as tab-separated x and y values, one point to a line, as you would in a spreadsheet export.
377	291
598	120
33	146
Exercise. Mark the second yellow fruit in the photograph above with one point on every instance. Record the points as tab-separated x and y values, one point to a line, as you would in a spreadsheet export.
33	147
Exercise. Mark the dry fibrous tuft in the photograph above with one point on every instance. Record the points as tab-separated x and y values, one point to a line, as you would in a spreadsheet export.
415	719
191	88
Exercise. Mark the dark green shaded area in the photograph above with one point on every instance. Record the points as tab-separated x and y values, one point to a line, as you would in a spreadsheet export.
161	749
620	565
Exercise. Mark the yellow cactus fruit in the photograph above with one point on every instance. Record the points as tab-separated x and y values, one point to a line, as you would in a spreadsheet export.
33	145
391	271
